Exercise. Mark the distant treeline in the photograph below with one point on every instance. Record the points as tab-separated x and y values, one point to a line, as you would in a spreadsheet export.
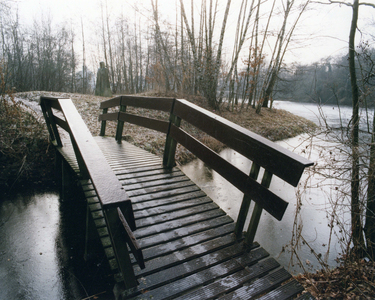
49	57
328	82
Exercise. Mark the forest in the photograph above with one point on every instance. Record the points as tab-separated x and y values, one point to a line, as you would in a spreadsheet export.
187	56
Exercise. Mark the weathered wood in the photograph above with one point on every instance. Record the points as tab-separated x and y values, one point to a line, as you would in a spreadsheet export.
109	189
120	125
154	103
178	223
50	121
257	212
233	281
161	249
260	286
110	103
153	124
185	231
120	247
278	160
261	195
245	205
132	241
199	271
284	292
171	142
104	123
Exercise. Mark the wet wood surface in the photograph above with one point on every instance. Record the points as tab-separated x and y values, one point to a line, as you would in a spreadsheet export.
187	241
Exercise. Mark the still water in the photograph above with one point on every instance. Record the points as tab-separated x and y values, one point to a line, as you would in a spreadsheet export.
41	254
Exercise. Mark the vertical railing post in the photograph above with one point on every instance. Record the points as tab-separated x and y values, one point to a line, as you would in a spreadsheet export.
51	124
257	212
120	123
242	215
104	123
120	246
171	143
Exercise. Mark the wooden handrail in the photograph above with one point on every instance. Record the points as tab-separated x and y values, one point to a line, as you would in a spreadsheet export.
275	159
93	166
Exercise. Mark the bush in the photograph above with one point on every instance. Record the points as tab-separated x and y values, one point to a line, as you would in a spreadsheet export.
25	154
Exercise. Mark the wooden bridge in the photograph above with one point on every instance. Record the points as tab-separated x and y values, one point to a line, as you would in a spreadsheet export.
163	236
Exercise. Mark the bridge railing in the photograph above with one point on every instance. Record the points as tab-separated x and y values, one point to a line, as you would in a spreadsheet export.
114	201
263	153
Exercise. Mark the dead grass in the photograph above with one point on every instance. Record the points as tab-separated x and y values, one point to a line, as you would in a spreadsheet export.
352	280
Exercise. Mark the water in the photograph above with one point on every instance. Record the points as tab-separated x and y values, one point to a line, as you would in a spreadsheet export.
41	251
272	234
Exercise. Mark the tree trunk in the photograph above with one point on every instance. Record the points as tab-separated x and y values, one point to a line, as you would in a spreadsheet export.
370	205
357	233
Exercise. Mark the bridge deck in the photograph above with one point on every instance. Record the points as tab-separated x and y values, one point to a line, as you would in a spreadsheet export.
188	244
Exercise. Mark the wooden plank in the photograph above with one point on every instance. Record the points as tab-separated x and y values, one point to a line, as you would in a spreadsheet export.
158	189
62	123
260	194
131	240
169	216
278	160
284	292
199	271
169	207
151	177
259	286
154	124
172	225
110	103
155	183
164	194
195	251
114	116
155	103
184	242
233	281
149	172
178	233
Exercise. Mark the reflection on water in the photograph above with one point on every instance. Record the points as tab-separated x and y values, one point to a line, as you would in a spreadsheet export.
272	234
41	249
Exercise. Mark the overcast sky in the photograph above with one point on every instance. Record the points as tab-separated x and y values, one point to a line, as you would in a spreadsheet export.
324	28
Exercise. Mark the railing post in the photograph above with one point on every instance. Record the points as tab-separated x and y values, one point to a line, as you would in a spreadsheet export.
242	215
171	143
51	124
257	212
104	123
120	124
120	247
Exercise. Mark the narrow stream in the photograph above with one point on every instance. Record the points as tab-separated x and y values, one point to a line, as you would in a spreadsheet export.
41	251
